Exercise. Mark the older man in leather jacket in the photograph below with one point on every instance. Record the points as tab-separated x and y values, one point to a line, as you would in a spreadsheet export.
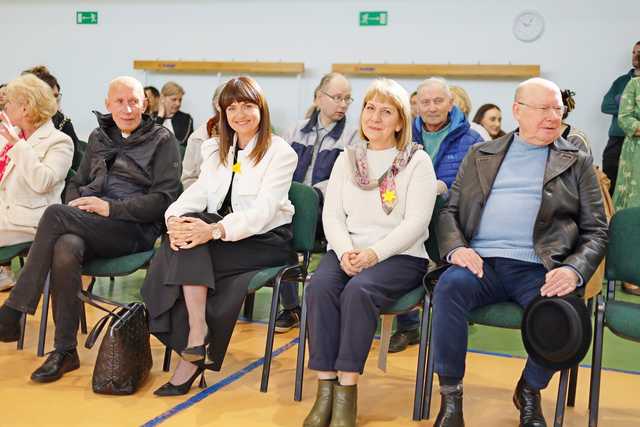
524	218
128	177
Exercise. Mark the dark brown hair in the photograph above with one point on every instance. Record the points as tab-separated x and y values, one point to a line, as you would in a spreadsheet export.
482	111
43	73
244	89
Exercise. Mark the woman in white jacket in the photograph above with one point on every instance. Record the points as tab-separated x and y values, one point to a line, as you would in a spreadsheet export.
234	220
34	162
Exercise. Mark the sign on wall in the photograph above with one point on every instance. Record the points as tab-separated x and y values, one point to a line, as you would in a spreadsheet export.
86	18
374	18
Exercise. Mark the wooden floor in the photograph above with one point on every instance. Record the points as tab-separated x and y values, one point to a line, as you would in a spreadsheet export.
233	397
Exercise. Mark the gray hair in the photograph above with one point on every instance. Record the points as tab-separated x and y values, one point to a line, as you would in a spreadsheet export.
129	82
436	81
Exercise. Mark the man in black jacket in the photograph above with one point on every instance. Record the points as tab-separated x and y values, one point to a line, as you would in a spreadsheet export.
128	177
524	218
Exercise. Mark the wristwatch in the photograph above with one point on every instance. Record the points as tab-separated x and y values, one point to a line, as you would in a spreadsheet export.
216	233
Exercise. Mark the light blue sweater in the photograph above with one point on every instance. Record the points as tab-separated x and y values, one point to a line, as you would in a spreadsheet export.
506	226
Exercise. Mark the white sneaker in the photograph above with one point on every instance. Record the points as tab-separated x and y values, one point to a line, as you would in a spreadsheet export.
6	278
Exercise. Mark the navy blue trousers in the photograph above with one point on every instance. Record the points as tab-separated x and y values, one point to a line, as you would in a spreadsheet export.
459	291
343	311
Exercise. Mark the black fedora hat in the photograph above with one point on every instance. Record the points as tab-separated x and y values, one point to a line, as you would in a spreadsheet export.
556	331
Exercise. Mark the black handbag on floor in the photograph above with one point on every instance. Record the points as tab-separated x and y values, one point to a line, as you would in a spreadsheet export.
124	358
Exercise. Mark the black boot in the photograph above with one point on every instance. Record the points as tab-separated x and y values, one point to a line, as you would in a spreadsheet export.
527	400
450	414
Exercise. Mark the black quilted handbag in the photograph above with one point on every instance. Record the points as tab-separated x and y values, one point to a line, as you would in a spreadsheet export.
124	358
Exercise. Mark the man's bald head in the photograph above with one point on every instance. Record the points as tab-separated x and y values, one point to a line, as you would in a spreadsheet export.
535	84
538	109
125	101
129	82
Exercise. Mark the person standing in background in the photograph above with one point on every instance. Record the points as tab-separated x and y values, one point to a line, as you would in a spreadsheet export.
610	105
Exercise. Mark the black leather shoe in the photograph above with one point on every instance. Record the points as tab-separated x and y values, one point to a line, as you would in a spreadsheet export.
450	414
57	364
10	332
527	400
402	339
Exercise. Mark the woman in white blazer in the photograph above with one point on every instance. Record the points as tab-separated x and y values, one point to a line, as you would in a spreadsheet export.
34	161
234	220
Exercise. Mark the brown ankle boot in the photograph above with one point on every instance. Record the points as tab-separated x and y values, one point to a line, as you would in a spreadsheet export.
320	414
345	406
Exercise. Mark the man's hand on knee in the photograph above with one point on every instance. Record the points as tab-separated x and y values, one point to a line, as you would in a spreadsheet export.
91	204
559	281
469	259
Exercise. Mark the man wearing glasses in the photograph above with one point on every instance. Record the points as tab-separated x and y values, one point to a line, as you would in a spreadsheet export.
444	132
524	218
318	140
128	177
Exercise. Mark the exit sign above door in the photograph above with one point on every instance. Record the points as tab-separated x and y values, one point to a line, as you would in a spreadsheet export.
374	18
86	18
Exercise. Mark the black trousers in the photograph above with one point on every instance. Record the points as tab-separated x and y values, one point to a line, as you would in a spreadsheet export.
225	268
66	238
343	311
611	158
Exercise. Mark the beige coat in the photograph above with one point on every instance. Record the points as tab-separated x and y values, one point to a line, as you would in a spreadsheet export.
34	178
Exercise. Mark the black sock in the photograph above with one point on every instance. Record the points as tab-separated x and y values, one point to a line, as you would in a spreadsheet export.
9	315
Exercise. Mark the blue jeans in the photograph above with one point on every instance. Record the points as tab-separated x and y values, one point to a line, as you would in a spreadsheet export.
408	321
459	291
289	295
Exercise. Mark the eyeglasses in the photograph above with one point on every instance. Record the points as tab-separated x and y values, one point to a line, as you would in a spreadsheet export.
556	111
338	99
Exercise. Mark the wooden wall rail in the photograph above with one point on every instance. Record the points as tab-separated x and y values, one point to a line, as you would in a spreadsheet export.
220	67
489	71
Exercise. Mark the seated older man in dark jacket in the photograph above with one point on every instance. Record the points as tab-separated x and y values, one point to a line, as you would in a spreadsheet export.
525	217
128	177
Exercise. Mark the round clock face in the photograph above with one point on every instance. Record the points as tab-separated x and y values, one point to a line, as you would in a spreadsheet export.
528	26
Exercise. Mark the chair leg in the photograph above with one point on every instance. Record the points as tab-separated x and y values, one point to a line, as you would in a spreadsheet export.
23	327
83	319
42	336
271	328
428	387
302	343
596	364
112	283
573	384
420	371
248	306
166	363
562	398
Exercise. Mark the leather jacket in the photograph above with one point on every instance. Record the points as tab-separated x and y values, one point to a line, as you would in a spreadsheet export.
570	227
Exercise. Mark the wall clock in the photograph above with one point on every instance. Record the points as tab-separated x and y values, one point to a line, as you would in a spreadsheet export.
528	26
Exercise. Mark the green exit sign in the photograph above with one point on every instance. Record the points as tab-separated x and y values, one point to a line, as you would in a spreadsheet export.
374	18
87	18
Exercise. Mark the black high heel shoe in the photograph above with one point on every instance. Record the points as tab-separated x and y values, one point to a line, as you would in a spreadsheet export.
169	389
196	355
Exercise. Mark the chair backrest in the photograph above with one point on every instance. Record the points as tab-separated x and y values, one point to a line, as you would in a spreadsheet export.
305	200
432	242
623	259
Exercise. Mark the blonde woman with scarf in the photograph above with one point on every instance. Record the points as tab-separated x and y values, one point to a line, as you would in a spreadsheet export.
376	215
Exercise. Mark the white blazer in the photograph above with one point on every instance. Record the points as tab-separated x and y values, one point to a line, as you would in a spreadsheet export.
34	177
260	194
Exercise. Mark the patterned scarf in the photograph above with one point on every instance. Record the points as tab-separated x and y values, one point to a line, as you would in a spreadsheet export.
386	183
4	155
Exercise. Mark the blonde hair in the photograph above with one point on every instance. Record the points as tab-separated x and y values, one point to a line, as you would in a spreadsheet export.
461	99
35	95
387	90
171	89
